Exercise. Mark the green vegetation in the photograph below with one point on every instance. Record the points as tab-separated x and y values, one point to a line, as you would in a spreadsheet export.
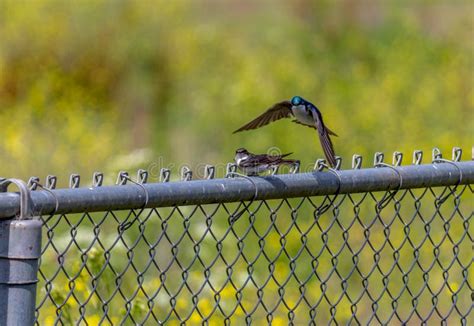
120	85
83	84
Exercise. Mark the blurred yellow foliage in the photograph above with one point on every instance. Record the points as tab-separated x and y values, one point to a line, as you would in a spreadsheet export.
83	84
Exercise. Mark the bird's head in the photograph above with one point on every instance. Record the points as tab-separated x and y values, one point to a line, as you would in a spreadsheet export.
241	154
242	151
297	100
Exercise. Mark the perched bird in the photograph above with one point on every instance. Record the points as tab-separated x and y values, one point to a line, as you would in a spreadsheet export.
305	113
253	164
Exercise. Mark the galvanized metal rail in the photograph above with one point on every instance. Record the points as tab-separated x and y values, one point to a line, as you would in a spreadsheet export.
139	195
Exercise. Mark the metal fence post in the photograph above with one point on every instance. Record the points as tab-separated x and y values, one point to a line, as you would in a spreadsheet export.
20	250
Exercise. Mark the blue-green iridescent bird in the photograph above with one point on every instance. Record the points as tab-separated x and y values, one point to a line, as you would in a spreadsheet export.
305	113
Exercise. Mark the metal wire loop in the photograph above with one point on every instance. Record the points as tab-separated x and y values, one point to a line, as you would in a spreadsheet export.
436	154
48	190
338	163
389	195
457	154
186	174
439	202
74	181
165	175
397	158
234	217
51	182
122	178
97	179
209	171
33	183
142	176
127	224
356	161
378	158
274	169
319	164
295	167
25	199
231	169
324	207
417	157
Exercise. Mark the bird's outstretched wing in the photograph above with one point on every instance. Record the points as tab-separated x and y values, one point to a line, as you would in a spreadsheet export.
324	138
330	132
276	112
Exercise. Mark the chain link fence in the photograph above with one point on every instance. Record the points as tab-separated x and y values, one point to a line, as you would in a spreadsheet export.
392	244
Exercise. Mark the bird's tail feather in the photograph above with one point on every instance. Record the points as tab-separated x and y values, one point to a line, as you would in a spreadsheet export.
328	149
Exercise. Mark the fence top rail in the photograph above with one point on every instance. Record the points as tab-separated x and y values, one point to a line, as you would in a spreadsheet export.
194	192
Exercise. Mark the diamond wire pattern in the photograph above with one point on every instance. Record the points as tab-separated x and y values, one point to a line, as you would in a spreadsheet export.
331	259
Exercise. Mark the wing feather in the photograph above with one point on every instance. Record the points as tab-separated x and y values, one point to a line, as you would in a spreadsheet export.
259	159
324	138
276	112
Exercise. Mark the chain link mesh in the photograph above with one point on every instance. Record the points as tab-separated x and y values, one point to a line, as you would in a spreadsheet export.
331	259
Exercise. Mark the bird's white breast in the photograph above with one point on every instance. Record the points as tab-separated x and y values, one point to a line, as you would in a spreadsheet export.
238	160
302	115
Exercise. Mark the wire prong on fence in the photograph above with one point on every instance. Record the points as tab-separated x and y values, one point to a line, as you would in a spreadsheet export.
436	154
186	174
142	176
457	154
165	175
74	180
209	172
97	179
397	158
356	161
32	182
319	164
122	178
417	157
51	181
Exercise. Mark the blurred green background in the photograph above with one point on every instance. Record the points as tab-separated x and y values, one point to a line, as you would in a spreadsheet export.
117	85
120	85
